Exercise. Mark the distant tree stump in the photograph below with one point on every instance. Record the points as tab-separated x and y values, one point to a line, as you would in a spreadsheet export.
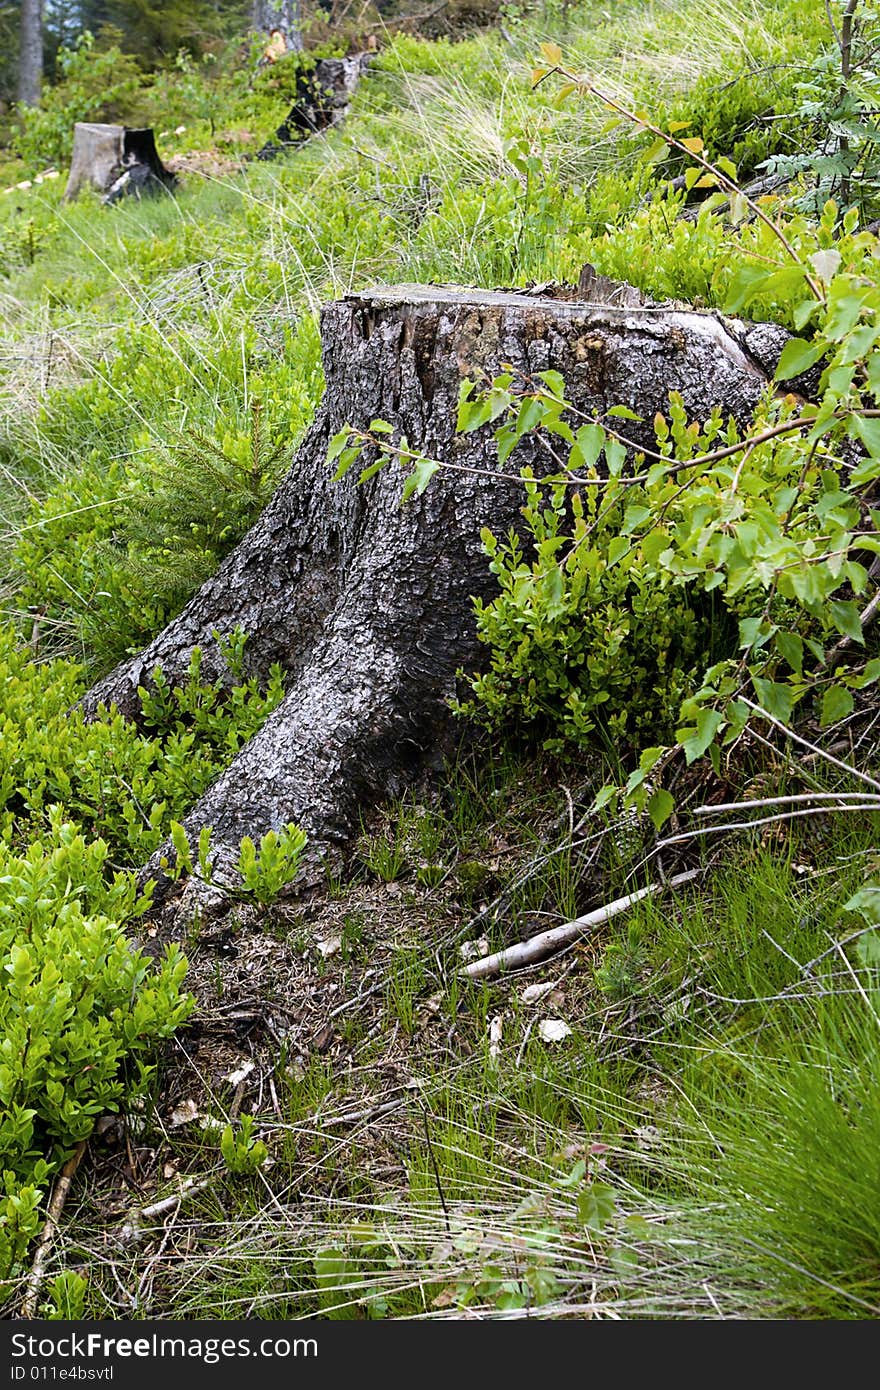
115	160
323	97
367	604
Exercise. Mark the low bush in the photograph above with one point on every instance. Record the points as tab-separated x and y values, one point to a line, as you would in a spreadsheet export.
79	1010
95	85
116	782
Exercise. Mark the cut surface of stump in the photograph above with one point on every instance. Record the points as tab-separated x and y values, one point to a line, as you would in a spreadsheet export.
367	604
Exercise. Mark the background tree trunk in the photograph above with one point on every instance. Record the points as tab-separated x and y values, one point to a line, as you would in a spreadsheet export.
367	604
30	57
279	14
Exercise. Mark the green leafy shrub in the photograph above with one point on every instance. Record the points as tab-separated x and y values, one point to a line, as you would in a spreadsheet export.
582	636
266	871
67	1297
721	549
96	84
242	1153
114	781
78	1005
19	1218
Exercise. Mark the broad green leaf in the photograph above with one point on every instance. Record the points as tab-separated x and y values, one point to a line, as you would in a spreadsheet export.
591	440
617	548
554	582
530	413
866	471
791	648
347	458
866	902
597	1205
869	676
750	629
419	478
837	703
798	356
660	807
615	457
372	469
775	698
554	382
747	282
695	740
634	517
337	444
657	150
847	619
603	796
868	431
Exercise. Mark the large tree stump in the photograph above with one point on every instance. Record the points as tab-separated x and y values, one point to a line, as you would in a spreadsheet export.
367	604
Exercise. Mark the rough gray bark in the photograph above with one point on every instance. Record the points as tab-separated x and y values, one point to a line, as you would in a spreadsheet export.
30	53
367	604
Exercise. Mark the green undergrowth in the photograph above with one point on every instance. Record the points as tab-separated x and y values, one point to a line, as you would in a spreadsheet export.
82	805
79	1011
698	1143
124	784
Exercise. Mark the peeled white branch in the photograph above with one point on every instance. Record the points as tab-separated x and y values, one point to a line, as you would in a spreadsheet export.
538	947
132	1230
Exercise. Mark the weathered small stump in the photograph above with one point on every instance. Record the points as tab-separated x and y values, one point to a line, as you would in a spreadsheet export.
367	604
116	160
323	97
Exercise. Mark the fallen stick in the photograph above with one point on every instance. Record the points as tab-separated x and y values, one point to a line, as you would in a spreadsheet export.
47	1236
132	1228
542	945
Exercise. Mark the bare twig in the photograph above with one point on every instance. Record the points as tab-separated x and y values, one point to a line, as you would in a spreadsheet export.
56	1206
545	943
132	1228
812	747
861	797
798	813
